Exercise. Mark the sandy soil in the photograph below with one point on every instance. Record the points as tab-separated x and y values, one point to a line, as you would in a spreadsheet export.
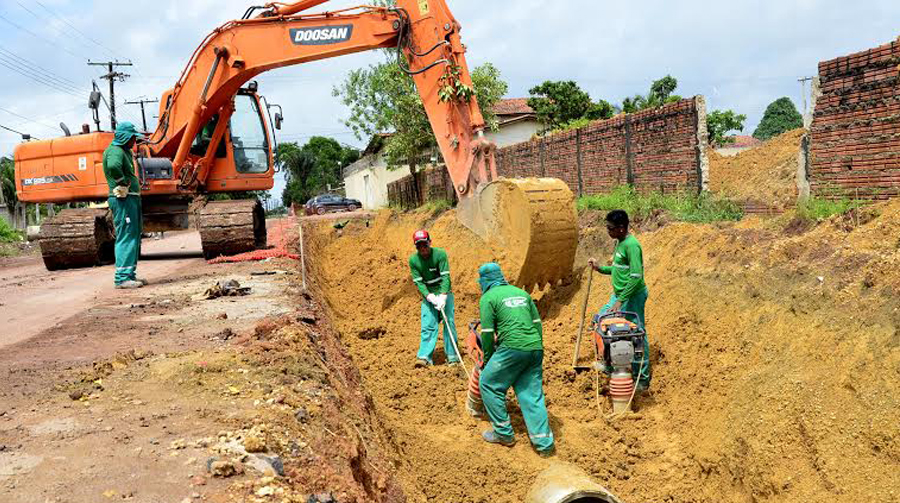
766	174
770	382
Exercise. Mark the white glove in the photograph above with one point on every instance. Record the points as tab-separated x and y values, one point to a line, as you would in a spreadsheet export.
120	191
441	302
432	299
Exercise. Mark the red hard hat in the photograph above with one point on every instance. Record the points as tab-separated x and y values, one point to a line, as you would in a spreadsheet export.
421	235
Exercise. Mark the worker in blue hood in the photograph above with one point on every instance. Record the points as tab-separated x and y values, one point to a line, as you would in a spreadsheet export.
125	203
512	338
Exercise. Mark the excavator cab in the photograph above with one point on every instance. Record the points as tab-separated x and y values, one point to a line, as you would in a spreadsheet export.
244	156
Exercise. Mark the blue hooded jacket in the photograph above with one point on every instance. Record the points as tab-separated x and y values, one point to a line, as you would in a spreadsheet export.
125	131
489	276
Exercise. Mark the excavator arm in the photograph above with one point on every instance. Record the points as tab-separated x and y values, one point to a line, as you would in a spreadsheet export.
283	35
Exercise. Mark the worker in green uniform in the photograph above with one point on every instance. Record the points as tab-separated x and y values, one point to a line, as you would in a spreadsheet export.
431	274
125	202
629	290
512	340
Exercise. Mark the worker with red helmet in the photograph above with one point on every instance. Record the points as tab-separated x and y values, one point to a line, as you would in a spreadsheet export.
431	274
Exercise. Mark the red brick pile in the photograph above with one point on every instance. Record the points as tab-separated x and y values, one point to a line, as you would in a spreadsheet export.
855	134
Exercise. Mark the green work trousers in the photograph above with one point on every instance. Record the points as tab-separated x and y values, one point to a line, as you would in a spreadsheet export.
129	224
431	323
635	304
524	372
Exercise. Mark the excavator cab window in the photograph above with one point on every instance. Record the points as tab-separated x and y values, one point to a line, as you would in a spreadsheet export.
248	136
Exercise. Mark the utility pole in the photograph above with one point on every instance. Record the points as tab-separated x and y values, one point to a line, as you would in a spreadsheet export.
803	82
141	103
112	77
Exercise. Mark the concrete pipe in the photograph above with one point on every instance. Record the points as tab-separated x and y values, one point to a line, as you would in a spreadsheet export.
566	483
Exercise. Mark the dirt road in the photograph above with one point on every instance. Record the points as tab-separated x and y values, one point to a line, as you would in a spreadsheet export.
164	395
35	299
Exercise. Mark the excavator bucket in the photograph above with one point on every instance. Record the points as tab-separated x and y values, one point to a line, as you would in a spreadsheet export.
533	220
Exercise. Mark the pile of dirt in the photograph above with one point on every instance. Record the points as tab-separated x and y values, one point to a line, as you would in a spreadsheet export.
765	175
768	377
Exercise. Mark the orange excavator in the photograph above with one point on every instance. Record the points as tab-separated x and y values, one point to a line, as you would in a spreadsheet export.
213	137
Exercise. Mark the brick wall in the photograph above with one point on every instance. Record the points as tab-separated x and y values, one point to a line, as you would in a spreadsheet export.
855	134
435	184
662	149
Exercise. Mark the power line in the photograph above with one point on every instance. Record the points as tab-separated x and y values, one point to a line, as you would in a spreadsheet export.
25	136
50	22
30	121
70	25
75	29
37	68
39	37
53	115
37	78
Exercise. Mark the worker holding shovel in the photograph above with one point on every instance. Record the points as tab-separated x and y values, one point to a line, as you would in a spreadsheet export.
431	275
512	340
629	290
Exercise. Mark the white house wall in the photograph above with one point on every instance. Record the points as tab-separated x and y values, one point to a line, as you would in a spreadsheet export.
514	132
379	178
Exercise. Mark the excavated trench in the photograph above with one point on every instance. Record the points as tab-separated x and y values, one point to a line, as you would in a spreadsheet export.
776	357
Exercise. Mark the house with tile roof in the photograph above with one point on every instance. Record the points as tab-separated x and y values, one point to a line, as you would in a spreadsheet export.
517	122
367	179
740	144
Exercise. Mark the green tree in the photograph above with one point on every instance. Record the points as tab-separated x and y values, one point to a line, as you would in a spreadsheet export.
660	94
8	182
561	103
720	123
329	158
310	169
781	116
383	99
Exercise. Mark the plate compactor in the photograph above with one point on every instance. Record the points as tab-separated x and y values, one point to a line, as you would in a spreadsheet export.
619	343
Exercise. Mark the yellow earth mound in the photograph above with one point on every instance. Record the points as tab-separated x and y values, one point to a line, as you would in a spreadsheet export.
766	174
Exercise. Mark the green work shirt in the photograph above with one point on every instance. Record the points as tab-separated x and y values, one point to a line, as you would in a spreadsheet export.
509	314
627	268
118	166
431	275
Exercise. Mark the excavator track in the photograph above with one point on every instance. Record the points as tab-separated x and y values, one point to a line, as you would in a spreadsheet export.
231	227
81	237
534	222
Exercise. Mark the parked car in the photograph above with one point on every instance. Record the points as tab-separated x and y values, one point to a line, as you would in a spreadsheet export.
329	203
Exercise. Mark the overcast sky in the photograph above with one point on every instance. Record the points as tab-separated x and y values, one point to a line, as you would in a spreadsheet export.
740	55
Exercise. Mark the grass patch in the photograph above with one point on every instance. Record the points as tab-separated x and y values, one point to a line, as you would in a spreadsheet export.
818	210
684	207
8	234
437	206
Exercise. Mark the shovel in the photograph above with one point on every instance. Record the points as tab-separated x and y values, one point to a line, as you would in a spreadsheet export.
587	296
459	355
